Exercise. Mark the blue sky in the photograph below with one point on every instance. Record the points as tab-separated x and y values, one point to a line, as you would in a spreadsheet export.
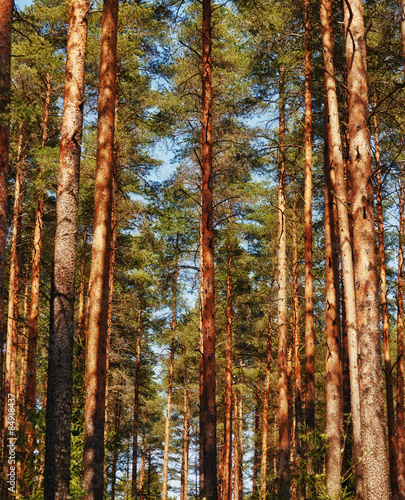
22	3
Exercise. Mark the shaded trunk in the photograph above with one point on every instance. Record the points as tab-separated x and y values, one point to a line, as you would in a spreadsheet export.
373	423
208	412
265	419
6	19
143	461
10	375
136	405
296	329
81	323
284	426
185	442
238	458
35	281
98	297
114	458
337	176
59	398
400	343
170	381
227	461
334	407
256	438
385	321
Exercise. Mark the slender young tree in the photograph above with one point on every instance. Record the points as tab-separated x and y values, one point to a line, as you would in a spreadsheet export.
385	319
400	341
208	410
6	19
309	301
170	384
373	421
265	413
227	461
98	297
134	491
334	407
284	425
59	387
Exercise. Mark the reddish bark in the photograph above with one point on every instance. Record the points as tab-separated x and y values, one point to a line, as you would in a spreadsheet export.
400	344
59	398
309	305
265	413
208	411
297	443
227	452
256	438
96	347
6	19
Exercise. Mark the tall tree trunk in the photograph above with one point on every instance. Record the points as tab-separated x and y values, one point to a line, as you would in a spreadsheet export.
256	439
309	305
296	330
136	405
400	344
114	459
143	461
334	407
400	331
265	418
10	376
284	427
96	347
238	489
227	469
81	329
185	441
59	398
239	442
373	423
170	384
6	19
385	321
338	181
30	397
208	426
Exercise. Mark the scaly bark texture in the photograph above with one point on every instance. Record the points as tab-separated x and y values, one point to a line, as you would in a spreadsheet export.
6	19
337	176
59	396
373	422
334	406
208	411
98	297
265	413
136	405
284	427
392	445
400	343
